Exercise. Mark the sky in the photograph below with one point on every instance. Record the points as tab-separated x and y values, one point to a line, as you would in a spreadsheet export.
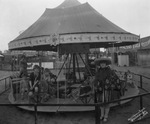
17	15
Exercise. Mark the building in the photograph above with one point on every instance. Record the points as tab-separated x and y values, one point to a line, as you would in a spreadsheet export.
139	54
143	53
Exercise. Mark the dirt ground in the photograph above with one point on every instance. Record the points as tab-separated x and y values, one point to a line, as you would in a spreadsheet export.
118	114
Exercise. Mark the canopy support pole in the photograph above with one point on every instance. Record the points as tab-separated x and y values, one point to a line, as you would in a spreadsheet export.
69	66
62	66
78	68
85	65
74	67
57	78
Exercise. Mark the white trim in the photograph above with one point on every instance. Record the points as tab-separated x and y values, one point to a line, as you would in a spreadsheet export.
54	40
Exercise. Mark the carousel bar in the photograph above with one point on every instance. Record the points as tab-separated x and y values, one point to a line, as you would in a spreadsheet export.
78	68
85	65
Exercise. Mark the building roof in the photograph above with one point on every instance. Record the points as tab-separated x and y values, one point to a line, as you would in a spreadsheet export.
145	39
144	43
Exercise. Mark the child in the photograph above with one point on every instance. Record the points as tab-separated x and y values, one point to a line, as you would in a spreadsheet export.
47	78
101	84
34	81
24	86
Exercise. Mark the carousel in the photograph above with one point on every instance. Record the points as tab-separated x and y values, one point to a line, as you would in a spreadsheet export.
71	30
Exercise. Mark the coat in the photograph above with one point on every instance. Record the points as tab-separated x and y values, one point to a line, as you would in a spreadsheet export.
105	83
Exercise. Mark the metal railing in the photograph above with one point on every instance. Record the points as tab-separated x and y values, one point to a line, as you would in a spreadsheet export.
141	77
96	105
4	84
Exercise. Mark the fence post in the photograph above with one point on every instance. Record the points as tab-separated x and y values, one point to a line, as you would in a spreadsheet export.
35	110
141	98
97	110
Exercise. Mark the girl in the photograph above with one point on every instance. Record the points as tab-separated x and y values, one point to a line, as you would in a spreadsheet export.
102	85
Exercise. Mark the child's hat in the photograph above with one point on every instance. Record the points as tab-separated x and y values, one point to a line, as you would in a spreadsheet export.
102	60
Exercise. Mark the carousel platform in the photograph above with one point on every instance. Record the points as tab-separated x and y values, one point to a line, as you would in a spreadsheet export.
131	90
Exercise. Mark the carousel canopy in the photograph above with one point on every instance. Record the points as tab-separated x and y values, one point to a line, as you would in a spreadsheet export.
71	23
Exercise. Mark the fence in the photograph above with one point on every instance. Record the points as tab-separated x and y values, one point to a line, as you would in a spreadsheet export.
6	66
139	79
4	84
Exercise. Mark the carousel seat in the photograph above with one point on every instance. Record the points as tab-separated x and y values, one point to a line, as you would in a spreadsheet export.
19	85
86	94
43	94
82	93
16	79
14	75
40	97
16	86
63	90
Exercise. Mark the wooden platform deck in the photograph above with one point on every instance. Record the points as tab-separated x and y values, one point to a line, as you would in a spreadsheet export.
131	91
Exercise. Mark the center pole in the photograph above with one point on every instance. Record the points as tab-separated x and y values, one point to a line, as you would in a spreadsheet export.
87	59
40	53
74	68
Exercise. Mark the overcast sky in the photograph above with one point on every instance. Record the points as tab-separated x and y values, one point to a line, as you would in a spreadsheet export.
18	15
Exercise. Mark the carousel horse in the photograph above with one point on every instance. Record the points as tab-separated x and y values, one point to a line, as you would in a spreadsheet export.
43	91
123	82
49	78
19	85
24	88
